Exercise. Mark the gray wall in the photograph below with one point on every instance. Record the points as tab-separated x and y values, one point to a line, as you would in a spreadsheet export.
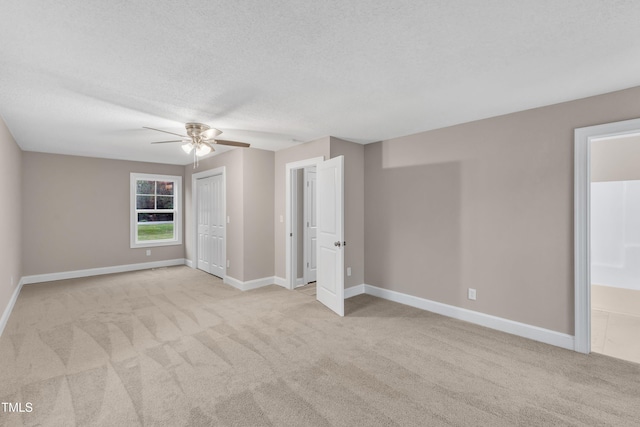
249	199
615	159
10	216
485	205
258	213
76	213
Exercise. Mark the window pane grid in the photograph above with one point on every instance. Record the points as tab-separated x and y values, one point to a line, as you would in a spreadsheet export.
155	210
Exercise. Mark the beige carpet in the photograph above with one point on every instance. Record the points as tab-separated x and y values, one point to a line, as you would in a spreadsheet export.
176	347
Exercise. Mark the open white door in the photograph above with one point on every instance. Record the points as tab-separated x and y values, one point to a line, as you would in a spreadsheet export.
330	204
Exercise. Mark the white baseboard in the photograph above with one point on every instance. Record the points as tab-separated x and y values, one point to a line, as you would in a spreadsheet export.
280	281
7	311
39	278
498	323
300	281
250	284
354	290
189	263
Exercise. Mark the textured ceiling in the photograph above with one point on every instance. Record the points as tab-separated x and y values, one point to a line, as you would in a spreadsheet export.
83	77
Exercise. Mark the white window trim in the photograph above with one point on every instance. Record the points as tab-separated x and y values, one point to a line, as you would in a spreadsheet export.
177	195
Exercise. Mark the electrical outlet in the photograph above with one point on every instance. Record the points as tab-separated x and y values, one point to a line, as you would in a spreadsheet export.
11	280
472	294
228	219
148	252
228	263
348	271
281	218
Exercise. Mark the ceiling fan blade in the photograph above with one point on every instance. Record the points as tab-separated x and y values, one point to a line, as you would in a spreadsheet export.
164	142
232	143
160	130
210	133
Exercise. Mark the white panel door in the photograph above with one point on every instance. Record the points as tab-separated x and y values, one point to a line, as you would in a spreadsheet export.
218	222
330	232
311	224
211	223
204	223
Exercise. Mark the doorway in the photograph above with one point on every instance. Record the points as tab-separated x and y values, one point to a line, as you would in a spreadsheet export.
584	138
208	189
302	223
329	218
615	246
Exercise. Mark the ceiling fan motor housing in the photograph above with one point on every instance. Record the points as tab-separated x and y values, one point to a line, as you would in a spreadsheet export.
195	129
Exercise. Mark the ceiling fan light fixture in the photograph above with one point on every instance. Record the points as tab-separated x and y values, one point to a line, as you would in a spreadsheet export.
188	147
199	140
203	150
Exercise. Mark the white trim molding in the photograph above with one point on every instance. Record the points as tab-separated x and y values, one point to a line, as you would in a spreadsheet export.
354	290
9	308
176	210
280	281
50	277
189	263
253	284
582	222
535	333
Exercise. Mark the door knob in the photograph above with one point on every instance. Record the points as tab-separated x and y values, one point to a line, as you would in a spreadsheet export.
338	244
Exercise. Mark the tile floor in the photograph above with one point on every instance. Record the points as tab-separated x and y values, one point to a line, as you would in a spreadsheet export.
615	322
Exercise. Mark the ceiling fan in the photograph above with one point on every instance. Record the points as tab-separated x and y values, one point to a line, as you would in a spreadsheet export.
199	139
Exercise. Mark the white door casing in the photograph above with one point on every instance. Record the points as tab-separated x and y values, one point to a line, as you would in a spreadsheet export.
582	212
290	218
330	232
310	225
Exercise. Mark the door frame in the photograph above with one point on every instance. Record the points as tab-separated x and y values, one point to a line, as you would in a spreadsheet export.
194	208
582	222
291	217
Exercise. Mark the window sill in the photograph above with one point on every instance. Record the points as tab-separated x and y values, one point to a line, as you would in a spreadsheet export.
155	244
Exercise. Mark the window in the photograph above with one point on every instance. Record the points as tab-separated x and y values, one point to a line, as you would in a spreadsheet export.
155	210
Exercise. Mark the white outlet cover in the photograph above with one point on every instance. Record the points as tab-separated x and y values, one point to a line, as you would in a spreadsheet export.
348	271
472	294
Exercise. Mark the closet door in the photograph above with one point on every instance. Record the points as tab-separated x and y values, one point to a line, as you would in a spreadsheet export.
216	229
204	223
211	223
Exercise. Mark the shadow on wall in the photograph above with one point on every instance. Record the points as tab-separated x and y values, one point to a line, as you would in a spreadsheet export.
413	230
